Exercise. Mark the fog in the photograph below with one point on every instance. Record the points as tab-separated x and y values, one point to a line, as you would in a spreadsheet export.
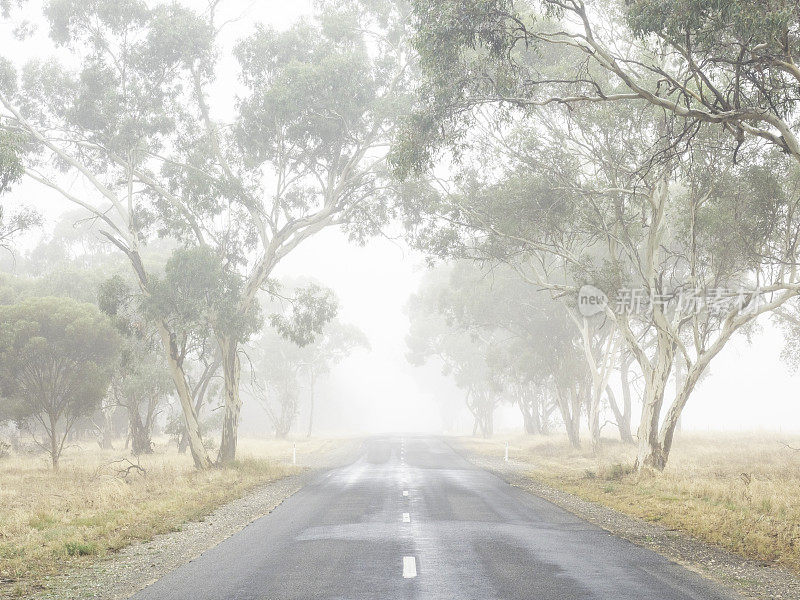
376	389
399	299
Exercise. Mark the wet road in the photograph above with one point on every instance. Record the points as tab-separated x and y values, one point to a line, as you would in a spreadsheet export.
410	518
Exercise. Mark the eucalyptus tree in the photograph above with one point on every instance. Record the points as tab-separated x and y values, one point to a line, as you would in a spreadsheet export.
142	124
498	57
730	65
494	300
305	151
275	380
689	247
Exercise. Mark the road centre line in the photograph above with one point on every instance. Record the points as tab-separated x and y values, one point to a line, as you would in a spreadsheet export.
409	567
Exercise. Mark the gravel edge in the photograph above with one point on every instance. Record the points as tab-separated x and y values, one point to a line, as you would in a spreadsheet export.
752	579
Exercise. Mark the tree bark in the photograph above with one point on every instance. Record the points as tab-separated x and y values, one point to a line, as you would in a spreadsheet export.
141	442
54	449
311	406
627	410
106	432
199	394
529	405
231	369
622	419
199	453
650	452
569	406
487	422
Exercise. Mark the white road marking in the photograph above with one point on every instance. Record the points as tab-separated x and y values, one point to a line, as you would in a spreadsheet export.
406	518
405	493
409	567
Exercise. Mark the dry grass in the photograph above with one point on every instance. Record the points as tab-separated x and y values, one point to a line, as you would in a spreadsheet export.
87	510
740	491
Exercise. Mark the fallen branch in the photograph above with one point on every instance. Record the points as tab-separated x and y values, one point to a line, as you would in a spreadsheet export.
128	467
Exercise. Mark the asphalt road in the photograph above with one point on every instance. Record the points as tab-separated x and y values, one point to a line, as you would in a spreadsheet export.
410	518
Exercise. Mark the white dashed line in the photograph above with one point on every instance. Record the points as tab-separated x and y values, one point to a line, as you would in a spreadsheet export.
406	518
409	567
405	493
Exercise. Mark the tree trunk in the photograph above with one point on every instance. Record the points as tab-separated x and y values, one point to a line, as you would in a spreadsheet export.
183	442
199	453
106	433
570	414
651	453
593	418
311	407
573	434
673	418
529	405
627	410
54	449
487	422
141	442
199	395
546	407
678	384
623	421
532	427
231	369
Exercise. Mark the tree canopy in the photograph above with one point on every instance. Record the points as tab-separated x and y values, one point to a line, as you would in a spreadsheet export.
56	361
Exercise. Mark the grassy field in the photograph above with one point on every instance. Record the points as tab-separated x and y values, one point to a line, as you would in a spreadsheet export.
740	491
89	508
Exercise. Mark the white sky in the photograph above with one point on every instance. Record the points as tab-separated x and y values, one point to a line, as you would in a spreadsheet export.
749	387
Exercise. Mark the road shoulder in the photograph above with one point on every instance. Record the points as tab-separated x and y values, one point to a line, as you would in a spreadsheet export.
137	566
752	579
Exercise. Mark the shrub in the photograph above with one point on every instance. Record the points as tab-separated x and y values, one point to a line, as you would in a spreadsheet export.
80	548
617	471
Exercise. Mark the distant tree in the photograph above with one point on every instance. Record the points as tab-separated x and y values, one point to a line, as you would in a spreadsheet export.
333	345
529	346
471	357
57	358
141	381
292	350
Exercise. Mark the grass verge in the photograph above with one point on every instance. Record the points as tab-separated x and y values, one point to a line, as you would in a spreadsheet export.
89	509
738	491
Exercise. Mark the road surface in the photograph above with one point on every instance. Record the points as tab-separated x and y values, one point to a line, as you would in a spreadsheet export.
410	518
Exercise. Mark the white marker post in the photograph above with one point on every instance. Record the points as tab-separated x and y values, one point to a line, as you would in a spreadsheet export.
505	458
294	454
